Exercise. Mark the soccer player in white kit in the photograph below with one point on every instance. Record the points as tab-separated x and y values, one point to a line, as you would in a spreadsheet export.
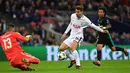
77	23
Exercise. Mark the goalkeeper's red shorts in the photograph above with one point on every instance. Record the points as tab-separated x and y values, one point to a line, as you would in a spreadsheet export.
17	59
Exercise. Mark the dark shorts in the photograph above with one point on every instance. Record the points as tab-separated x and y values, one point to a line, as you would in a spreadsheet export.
105	40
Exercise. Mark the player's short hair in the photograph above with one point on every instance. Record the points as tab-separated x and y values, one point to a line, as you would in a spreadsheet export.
103	8
79	7
11	25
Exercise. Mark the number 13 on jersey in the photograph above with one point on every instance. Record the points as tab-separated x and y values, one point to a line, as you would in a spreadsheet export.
7	43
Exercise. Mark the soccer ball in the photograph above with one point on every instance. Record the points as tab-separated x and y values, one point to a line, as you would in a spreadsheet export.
61	56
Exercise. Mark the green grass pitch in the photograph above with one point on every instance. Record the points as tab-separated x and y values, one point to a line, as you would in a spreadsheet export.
109	66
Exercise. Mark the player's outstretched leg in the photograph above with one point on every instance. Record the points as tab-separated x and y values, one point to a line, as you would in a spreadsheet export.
21	66
27	63
120	49
30	59
22	61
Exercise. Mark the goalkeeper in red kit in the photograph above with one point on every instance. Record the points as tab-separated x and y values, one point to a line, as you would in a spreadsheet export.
17	57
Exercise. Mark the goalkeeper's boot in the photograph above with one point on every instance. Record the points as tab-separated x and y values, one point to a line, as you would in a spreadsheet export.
26	61
28	69
78	67
97	63
126	52
71	63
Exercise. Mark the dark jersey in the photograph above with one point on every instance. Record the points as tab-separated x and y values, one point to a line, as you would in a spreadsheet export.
103	22
104	38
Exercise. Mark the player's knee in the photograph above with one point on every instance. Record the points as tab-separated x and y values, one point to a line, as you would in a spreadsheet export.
113	48
99	48
38	61
61	48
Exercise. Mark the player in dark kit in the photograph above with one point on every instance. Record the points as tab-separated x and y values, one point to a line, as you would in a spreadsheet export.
105	38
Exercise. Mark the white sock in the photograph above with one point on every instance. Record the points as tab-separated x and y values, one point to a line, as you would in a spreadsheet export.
76	57
69	55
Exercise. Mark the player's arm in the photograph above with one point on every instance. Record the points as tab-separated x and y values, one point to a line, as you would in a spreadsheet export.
67	30
22	38
89	23
96	27
69	26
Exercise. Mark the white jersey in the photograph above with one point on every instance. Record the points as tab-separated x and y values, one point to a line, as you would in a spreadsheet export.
77	24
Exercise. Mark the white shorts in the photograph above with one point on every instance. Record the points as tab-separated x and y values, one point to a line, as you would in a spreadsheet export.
70	39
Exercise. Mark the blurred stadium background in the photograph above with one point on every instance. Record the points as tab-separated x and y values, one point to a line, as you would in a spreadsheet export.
46	20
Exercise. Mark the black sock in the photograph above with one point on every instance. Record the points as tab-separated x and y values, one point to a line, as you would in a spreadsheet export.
119	49
99	54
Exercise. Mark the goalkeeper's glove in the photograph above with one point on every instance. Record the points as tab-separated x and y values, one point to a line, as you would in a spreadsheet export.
29	36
